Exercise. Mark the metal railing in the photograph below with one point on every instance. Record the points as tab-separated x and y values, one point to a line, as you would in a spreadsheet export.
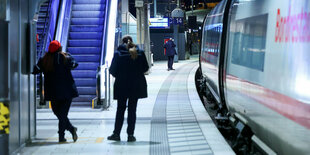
63	24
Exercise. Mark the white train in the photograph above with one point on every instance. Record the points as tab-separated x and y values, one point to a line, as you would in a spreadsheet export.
255	60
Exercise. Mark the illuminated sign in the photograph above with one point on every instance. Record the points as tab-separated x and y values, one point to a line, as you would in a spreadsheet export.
159	23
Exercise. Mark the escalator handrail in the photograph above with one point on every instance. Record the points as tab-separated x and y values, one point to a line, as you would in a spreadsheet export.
63	24
46	29
103	53
104	36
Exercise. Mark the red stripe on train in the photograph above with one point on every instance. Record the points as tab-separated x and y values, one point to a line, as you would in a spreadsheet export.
289	107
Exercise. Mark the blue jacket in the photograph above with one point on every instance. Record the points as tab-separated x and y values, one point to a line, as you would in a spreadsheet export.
170	48
58	85
129	76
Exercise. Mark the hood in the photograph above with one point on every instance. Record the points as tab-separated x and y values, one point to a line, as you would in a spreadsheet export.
122	48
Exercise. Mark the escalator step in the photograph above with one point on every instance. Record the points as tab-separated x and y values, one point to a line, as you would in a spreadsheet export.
87	90
39	26
87	21
88	1
88	7
87	58
43	9
84	98
85	35
86	28
88	82
84	74
81	104
42	14
84	43
87	66
84	50
39	32
87	14
45	4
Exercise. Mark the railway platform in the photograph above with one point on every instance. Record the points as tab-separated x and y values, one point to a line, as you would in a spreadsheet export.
172	120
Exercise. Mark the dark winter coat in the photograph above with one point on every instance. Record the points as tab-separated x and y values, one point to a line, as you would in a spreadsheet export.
58	85
170	48
129	74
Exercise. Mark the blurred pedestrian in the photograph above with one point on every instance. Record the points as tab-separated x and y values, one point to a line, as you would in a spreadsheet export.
128	67
190	47
59	85
170	52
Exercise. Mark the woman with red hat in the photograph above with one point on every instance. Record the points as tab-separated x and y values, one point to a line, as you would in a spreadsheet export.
59	85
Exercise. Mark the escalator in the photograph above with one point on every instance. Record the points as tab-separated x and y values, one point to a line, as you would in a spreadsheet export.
43	24
84	43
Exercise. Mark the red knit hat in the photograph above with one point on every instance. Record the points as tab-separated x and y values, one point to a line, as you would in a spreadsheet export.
54	46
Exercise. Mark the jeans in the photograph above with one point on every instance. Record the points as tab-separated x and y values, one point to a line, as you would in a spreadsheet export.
170	61
131	119
61	110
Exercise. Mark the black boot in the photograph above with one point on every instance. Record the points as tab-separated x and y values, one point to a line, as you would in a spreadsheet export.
61	138
115	137
74	135
131	138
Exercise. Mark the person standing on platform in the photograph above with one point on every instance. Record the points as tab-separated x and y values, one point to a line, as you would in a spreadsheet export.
59	85
128	67
170	52
190	47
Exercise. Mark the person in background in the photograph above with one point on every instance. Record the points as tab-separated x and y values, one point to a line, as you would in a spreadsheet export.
128	67
59	85
170	52
190	44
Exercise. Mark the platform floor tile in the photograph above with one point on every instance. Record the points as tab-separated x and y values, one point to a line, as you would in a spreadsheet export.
171	120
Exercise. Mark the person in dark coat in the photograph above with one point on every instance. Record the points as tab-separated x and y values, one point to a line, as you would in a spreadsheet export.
128	67
170	52
59	85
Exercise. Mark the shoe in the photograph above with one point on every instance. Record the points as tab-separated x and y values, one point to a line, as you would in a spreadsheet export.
115	137
168	69
62	140
131	138
172	69
74	135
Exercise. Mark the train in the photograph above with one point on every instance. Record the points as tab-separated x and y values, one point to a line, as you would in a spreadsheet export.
254	63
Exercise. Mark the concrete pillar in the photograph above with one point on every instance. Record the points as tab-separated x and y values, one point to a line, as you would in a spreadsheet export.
125	18
155	8
177	13
176	41
143	31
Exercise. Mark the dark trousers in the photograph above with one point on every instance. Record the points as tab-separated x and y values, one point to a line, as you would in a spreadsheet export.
170	61
61	109
131	119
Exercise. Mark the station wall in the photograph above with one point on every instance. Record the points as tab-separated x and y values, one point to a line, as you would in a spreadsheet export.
158	37
17	57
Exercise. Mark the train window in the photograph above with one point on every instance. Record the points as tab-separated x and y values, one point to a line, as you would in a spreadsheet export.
212	34
212	40
248	41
